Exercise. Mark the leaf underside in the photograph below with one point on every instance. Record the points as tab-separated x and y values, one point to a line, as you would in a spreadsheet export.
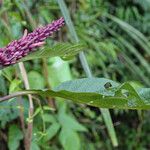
63	50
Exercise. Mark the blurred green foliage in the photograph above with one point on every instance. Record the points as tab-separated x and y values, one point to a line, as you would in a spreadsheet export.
117	34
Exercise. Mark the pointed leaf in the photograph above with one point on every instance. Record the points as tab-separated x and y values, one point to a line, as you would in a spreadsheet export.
96	92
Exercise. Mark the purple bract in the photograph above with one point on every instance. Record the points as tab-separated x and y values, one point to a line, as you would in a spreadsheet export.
19	48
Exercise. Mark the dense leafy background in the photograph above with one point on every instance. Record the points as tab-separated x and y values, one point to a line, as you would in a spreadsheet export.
115	50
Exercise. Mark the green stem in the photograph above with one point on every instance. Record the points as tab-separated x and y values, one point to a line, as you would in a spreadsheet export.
75	38
4	98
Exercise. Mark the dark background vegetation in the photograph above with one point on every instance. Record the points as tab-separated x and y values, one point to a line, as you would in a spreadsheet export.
112	52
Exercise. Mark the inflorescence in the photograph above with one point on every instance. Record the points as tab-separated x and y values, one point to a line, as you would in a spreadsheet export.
20	48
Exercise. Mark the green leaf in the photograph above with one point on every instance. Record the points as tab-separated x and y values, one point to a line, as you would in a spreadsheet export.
14	86
14	137
3	89
70	123
36	80
49	118
93	91
64	50
134	33
145	94
69	139
55	75
8	112
34	146
52	131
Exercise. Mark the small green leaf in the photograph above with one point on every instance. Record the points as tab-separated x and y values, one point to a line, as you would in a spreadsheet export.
14	86
36	80
69	139
70	123
34	146
52	131
49	118
3	89
14	137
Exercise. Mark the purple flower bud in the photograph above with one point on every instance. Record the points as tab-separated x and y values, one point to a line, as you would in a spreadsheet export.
19	48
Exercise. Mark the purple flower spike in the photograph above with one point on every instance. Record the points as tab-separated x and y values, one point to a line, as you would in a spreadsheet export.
19	48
